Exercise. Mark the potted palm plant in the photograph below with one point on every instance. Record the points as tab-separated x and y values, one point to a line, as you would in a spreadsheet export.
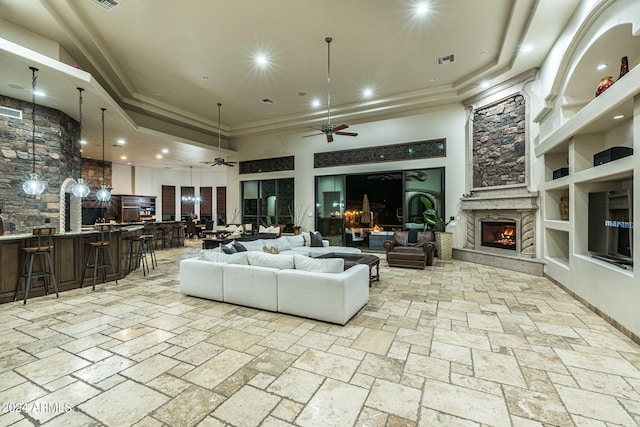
433	222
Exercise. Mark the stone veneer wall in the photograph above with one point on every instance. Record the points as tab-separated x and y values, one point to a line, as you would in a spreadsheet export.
92	174
499	143
57	158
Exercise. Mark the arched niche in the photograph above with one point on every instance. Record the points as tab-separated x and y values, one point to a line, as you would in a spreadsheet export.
608	48
70	208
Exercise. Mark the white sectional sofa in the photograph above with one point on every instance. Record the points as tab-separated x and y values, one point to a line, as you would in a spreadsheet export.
295	245
287	283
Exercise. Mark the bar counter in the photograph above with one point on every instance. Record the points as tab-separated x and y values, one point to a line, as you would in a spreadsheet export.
69	255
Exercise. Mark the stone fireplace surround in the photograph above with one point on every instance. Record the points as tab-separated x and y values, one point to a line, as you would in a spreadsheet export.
514	204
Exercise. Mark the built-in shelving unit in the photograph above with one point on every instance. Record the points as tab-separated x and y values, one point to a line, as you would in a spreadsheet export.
591	130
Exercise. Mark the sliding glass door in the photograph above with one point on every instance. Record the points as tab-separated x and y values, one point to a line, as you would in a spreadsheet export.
330	197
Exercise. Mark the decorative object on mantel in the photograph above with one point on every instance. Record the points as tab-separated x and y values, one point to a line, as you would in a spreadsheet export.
605	84
564	208
103	194
33	186
624	67
80	189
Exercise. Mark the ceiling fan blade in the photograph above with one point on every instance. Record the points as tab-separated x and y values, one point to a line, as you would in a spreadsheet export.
329	137
228	164
347	133
340	127
313	134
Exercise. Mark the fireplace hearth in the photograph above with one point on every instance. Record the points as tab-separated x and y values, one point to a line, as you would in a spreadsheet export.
499	234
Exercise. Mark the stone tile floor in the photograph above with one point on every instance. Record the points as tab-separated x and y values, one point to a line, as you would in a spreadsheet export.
457	344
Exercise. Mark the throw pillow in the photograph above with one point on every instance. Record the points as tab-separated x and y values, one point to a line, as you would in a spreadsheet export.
270	260
316	239
307	238
262	229
227	250
239	247
270	249
327	265
413	237
402	238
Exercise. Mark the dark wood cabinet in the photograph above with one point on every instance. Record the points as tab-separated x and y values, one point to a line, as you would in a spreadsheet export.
134	208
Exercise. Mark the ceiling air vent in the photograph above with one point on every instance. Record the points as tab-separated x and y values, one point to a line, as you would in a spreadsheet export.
267	101
10	112
106	4
446	59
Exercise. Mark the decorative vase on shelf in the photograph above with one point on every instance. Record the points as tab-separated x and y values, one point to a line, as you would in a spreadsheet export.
605	84
624	66
564	208
296	229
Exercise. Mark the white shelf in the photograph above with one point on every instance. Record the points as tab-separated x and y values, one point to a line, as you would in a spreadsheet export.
617	169
558	184
557	225
558	262
597	115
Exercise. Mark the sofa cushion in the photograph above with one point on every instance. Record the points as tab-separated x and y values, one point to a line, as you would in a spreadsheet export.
254	245
282	243
295	241
307	238
328	265
217	256
262	259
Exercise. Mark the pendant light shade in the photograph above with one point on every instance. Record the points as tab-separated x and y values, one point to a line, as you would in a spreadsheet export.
33	186
194	198
103	194
80	189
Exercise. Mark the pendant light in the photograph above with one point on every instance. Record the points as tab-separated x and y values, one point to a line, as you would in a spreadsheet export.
191	199
33	186
103	193
80	189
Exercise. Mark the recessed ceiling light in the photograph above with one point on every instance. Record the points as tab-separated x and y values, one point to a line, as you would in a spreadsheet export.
618	117
205	78
123	157
302	93
165	151
39	93
315	103
601	67
121	141
484	85
422	8
526	48
367	92
83	142
158	156
261	60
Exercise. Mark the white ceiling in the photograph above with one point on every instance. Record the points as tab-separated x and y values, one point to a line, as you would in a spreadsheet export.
145	60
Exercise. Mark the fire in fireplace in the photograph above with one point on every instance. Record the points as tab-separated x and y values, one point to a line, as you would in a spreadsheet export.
499	234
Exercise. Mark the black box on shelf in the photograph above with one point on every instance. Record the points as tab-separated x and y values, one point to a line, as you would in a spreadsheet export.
613	153
559	173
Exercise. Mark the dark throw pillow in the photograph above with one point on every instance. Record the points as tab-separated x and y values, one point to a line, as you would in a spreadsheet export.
316	239
413	237
226	250
239	247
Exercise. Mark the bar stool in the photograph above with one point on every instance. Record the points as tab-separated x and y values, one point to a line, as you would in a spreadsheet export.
40	245
99	247
149	242
140	254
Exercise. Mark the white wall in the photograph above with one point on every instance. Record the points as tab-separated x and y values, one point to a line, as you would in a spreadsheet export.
445	122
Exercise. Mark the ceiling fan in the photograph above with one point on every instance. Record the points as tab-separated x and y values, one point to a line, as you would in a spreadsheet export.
331	129
219	161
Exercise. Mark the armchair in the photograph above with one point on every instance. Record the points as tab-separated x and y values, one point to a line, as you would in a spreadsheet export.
411	249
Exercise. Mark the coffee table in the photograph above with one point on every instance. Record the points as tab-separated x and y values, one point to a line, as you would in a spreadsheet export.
352	259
